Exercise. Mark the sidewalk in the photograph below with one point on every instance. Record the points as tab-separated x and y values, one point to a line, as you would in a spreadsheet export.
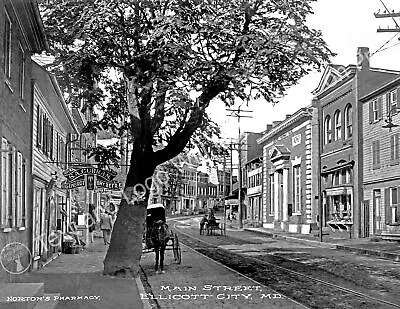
75	275
363	246
201	283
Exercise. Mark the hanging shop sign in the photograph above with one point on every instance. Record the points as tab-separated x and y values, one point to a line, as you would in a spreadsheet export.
75	173
91	178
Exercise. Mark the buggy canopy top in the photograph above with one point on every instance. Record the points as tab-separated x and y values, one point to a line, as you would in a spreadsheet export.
155	212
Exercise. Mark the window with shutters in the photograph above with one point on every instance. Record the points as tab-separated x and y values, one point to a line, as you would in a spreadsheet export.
21	72
45	134
7	45
394	149
376	160
5	171
394	204
375	110
391	102
13	187
39	125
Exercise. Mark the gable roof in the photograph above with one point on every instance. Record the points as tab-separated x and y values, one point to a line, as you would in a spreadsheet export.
334	74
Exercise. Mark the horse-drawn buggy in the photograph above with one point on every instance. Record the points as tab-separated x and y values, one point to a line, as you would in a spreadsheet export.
211	225
158	237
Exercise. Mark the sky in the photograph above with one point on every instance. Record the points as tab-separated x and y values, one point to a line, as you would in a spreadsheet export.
345	25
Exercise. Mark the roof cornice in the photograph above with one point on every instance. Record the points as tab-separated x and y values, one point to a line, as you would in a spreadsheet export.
301	113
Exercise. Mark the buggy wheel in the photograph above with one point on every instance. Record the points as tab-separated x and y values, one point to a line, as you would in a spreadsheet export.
176	248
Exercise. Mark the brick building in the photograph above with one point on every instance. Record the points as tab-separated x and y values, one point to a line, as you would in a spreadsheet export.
287	174
338	132
381	160
254	212
21	35
249	151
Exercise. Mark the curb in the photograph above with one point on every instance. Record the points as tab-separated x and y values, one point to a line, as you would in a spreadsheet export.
146	303
294	239
362	251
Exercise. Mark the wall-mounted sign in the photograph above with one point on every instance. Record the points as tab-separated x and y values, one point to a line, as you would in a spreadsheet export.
296	140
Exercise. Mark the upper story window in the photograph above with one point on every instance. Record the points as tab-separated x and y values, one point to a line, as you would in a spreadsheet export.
375	110
21	72
328	129
338	125
7	45
394	149
348	122
376	159
391	102
44	133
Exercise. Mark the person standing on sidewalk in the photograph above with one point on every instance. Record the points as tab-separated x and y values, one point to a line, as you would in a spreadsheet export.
91	221
106	226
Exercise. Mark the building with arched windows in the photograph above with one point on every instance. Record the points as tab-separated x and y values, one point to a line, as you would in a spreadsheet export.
338	130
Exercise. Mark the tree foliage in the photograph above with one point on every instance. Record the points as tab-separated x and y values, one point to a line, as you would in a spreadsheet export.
152	67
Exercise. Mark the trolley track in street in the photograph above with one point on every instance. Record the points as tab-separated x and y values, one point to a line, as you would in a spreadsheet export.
299	286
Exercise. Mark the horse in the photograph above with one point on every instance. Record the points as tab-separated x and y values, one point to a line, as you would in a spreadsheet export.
160	236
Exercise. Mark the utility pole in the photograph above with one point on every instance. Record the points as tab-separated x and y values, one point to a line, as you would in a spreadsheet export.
388	14
237	113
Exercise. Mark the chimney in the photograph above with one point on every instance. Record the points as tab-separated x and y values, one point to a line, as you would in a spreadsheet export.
275	123
363	58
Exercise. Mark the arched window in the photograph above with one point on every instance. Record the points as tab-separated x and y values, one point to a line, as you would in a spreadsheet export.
338	125
348	122
328	129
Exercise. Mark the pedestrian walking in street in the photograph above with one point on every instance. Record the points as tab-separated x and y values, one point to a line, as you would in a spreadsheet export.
203	222
106	226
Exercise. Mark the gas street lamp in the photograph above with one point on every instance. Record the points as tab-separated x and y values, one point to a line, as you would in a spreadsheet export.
389	119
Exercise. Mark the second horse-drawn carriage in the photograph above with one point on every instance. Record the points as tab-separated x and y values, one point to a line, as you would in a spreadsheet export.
158	237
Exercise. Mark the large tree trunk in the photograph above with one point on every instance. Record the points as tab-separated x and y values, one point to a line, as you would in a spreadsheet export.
123	255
